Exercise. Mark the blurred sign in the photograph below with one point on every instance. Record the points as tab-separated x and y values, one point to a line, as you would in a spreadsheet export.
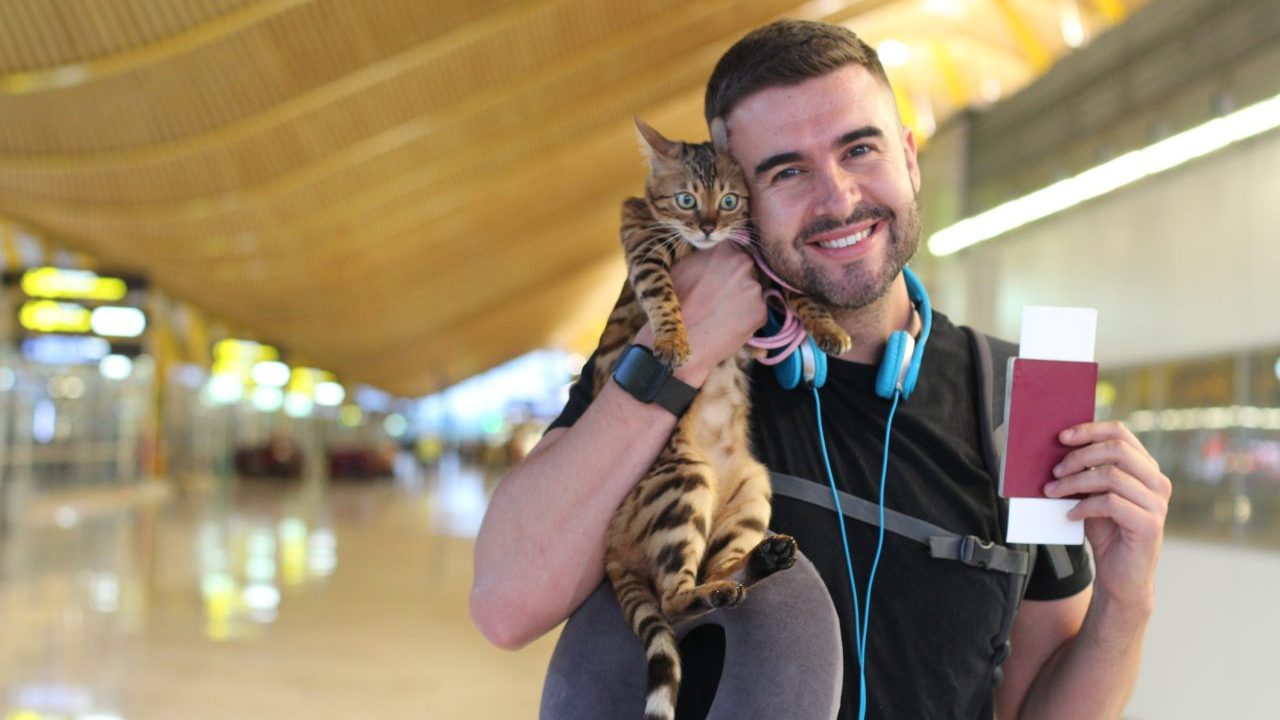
52	316
233	357
67	284
244	368
304	380
75	316
74	349
114	321
55	317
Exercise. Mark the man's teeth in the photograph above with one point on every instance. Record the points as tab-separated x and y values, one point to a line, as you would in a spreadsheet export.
847	240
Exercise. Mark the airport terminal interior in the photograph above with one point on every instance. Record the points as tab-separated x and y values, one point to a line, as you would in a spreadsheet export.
290	285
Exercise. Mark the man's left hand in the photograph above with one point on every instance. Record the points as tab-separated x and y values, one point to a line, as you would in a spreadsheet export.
1124	511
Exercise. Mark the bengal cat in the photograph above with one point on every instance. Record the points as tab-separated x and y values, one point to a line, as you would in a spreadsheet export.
691	534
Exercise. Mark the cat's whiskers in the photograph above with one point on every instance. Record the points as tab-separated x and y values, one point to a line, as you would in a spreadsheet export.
671	232
665	243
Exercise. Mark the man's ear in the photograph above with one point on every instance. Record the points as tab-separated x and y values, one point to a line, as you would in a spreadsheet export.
655	146
720	135
909	150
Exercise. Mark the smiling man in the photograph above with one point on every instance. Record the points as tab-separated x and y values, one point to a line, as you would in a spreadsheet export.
807	111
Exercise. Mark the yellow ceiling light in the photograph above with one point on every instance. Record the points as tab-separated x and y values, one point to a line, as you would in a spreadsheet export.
245	352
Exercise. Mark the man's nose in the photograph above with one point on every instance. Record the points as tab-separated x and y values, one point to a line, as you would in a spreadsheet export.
837	193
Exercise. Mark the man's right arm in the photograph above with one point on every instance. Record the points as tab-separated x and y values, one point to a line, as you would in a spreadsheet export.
540	550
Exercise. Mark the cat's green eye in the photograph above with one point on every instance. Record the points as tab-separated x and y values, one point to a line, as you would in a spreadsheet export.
686	201
729	202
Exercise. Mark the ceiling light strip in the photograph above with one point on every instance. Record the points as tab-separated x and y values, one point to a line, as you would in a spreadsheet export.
1109	176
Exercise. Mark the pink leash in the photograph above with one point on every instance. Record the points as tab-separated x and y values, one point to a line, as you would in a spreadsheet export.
792	333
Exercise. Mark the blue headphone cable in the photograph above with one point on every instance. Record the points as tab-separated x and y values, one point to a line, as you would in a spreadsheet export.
861	623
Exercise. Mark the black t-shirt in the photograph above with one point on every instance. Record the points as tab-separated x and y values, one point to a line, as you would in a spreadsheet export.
929	652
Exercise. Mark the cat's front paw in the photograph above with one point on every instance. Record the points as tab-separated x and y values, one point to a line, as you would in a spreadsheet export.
832	339
672	348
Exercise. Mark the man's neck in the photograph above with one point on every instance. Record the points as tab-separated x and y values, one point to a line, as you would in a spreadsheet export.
870	326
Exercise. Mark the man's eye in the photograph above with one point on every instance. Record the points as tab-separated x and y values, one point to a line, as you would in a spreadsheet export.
786	173
859	150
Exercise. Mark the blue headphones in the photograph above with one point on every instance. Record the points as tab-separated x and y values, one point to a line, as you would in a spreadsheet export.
896	378
902	355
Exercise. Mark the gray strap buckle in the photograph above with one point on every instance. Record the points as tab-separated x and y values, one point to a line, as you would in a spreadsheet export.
976	552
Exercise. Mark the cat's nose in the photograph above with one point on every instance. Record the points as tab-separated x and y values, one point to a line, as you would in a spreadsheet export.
707	227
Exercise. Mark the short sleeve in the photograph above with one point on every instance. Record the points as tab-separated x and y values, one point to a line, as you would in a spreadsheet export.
580	396
1045	584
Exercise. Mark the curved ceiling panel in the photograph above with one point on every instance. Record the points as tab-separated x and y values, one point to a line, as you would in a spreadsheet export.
410	192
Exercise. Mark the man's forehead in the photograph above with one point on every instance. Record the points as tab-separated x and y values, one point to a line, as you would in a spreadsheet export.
817	110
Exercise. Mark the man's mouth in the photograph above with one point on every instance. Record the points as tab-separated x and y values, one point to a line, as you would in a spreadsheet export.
843	239
849	240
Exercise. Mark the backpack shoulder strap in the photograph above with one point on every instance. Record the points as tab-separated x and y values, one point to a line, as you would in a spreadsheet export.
990	363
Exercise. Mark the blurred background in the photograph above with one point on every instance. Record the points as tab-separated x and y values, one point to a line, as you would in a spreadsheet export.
289	284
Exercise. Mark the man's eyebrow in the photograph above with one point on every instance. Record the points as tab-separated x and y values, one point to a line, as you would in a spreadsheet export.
859	134
774	161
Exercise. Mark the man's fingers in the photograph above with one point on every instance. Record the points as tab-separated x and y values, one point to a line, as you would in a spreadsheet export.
1109	479
1091	432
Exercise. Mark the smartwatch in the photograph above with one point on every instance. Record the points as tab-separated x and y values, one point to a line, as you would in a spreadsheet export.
649	380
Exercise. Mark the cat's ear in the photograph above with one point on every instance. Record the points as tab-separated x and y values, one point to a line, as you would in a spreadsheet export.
720	135
655	145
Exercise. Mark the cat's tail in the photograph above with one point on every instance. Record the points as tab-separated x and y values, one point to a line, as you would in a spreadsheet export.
643	613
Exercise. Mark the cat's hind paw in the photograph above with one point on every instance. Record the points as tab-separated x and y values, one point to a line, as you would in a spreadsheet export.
774	553
726	594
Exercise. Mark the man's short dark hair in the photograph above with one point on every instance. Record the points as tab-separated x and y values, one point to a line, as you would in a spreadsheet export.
785	52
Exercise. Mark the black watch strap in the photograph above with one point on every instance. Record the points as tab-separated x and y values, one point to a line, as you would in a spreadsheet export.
649	380
676	396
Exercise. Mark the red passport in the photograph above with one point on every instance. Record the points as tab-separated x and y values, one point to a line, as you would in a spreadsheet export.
1042	398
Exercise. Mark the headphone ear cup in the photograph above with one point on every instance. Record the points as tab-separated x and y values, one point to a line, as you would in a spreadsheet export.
897	353
806	366
788	372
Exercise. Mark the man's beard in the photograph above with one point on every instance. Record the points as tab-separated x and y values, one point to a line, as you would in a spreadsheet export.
860	285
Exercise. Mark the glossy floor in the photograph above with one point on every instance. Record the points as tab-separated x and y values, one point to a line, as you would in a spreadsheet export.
240	599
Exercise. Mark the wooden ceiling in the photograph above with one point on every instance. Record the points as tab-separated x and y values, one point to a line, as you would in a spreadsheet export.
408	192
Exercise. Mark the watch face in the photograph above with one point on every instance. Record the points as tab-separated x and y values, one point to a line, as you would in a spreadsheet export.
641	373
